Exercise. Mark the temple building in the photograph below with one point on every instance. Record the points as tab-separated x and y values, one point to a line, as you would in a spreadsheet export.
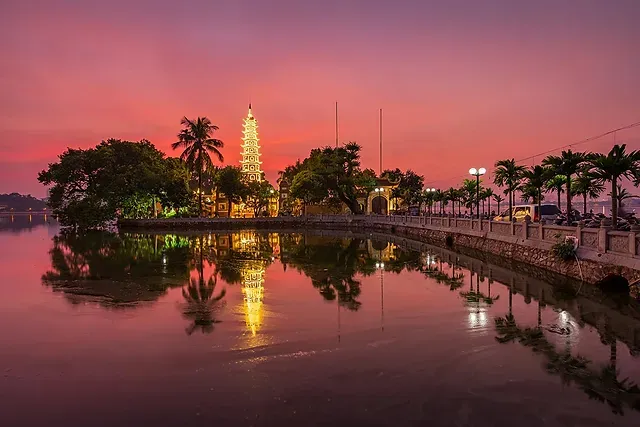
251	167
251	164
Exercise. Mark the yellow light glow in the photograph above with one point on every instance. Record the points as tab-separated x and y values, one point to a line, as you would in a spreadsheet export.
253	290
251	164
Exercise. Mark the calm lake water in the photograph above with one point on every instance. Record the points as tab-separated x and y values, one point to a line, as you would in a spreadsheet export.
290	329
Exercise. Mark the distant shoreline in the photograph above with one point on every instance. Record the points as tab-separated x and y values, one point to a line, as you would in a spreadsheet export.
5	213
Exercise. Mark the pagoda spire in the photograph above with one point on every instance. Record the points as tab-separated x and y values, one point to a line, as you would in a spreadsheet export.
251	164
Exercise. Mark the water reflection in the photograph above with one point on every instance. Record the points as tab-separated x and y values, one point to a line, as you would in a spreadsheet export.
201	301
124	270
117	271
20	222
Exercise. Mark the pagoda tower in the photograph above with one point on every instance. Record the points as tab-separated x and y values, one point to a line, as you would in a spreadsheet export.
251	164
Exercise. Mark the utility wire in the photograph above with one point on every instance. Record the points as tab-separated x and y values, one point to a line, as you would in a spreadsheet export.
583	141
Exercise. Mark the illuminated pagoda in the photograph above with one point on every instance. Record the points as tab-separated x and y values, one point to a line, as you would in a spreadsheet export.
251	164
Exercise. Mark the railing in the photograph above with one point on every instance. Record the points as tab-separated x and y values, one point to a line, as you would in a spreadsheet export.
601	240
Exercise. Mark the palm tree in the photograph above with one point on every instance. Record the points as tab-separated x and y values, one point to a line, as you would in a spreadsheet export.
508	174
452	194
530	193
499	199
468	191
617	164
439	196
587	187
567	165
536	178
196	139
486	195
456	195
623	194
556	184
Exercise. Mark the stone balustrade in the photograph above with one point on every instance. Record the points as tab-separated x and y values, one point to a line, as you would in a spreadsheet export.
602	240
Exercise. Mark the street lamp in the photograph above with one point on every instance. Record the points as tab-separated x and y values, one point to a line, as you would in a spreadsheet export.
477	173
271	202
430	190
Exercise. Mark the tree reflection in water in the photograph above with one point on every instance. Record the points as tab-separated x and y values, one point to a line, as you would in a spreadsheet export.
116	271
600	384
201	303
332	264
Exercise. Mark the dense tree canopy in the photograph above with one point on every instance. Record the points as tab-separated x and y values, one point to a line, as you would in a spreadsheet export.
230	182
260	194
409	188
330	173
115	179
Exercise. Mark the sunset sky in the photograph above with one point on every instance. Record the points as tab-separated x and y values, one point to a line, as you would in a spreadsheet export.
462	83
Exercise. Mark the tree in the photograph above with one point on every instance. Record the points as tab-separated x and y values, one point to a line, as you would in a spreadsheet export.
536	178
195	138
587	187
230	182
556	183
410	187
307	186
337	170
622	195
454	195
428	197
508	174
259	195
366	182
395	176
115	179
469	188
499	199
440	196
615	165
486	194
567	165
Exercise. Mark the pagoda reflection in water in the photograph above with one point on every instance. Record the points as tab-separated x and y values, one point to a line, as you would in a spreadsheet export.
256	252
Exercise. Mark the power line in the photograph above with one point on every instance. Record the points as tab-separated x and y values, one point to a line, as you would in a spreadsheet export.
583	141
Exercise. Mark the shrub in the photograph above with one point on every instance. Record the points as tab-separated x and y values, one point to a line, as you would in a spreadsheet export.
564	249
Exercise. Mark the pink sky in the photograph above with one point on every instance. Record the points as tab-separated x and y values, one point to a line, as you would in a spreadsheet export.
462	83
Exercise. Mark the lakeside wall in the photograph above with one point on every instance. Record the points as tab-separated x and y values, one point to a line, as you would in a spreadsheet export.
601	251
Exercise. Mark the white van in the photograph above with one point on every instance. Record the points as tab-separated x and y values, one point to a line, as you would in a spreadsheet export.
549	212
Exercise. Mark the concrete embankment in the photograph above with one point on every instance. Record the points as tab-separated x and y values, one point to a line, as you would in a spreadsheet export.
601	251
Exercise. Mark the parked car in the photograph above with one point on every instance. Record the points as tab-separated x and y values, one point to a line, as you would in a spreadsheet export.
549	213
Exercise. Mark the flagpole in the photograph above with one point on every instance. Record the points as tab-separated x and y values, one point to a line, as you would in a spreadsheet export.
336	124
381	142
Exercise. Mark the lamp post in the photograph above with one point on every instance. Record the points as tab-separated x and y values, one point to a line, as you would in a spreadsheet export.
271	191
477	173
431	192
